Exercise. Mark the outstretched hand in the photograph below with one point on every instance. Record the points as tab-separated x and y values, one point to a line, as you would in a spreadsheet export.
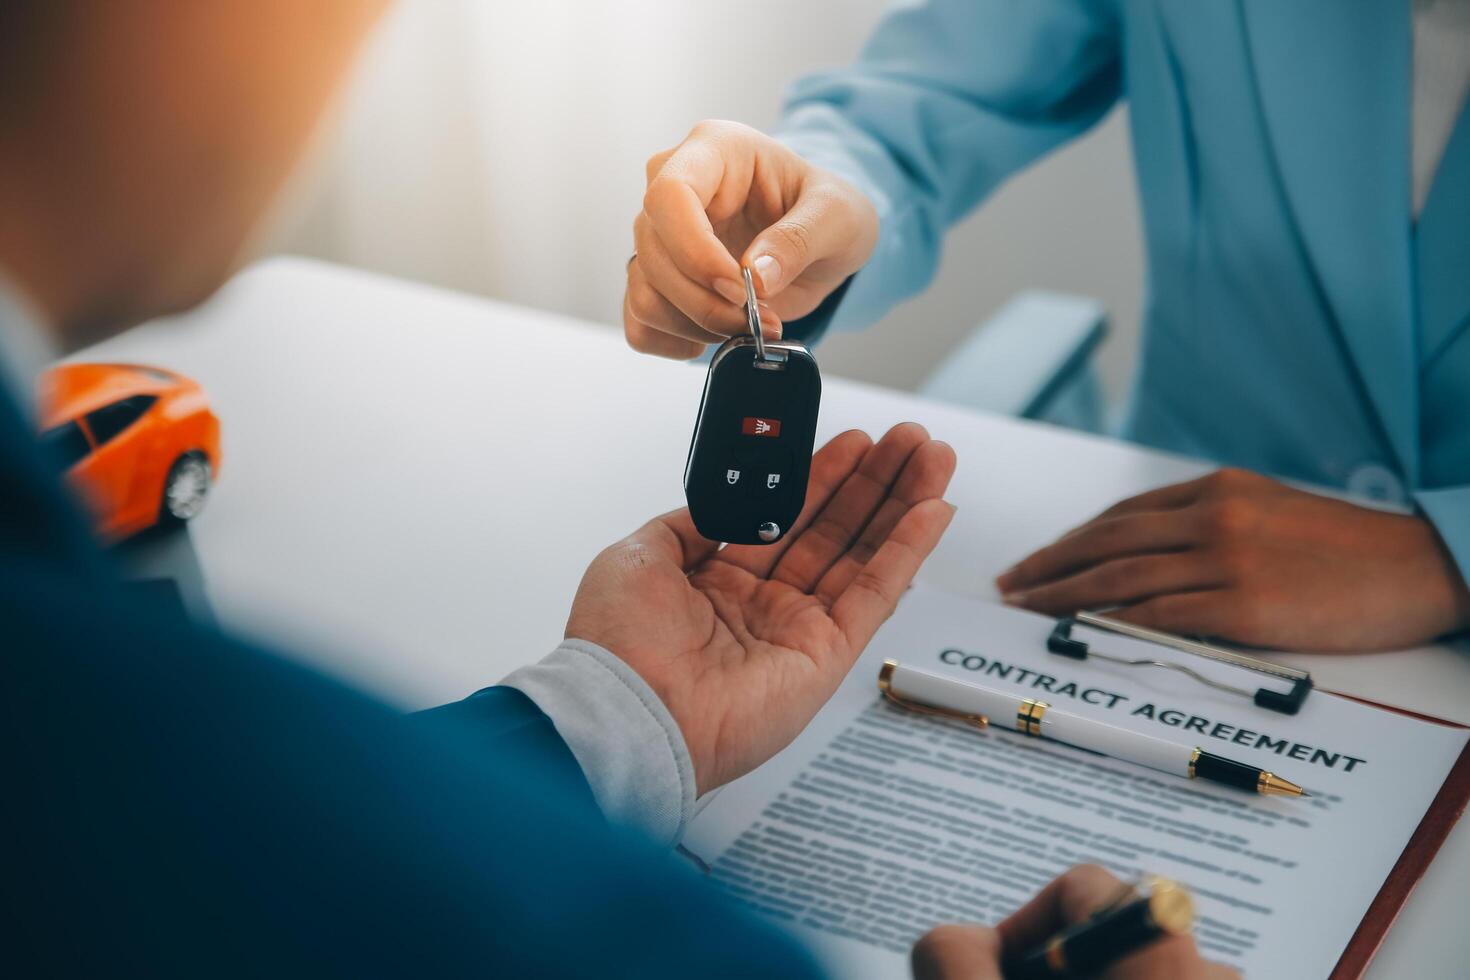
744	644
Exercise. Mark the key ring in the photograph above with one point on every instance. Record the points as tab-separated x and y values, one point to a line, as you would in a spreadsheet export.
753	315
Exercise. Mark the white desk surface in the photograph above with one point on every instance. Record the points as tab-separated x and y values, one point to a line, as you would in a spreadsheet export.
413	482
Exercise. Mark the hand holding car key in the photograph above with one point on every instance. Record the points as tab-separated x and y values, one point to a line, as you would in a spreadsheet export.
751	454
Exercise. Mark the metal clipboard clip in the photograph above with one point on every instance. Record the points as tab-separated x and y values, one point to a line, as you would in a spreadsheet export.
1287	702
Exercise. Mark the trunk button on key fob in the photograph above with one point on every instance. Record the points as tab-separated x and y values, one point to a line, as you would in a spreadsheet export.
751	454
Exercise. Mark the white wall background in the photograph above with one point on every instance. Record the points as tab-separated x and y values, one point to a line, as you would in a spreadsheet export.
498	147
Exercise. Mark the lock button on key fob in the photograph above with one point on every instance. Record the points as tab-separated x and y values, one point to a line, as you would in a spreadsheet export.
752	449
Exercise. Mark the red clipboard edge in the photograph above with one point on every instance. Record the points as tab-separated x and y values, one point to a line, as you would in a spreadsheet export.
1441	817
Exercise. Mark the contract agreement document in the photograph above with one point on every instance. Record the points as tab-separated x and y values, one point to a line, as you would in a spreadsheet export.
878	823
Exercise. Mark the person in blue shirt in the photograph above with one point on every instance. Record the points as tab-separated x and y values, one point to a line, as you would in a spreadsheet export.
180	803
1304	169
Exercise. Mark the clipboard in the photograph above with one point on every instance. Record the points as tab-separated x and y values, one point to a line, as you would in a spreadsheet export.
1434	827
1003	643
1436	824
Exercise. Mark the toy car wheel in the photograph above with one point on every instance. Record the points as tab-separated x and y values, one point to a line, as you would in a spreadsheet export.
186	488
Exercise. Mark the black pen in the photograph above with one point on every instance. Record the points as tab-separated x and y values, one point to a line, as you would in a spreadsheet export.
1120	928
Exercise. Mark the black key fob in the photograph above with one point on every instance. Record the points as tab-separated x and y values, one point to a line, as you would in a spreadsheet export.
752	450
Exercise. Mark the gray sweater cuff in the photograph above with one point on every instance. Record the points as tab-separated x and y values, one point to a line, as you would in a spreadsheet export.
625	740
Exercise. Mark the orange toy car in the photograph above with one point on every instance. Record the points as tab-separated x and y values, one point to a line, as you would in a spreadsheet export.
139	444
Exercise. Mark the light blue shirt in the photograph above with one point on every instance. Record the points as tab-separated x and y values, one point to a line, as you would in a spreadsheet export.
1298	320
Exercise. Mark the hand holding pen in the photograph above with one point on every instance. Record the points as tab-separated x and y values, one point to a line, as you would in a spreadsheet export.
972	952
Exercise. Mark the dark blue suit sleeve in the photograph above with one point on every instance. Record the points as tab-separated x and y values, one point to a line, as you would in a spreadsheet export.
504	722
180	804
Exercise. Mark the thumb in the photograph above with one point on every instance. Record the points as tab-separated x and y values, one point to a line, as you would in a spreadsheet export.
821	225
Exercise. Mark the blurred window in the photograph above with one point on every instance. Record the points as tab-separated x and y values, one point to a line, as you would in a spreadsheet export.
107	422
66	444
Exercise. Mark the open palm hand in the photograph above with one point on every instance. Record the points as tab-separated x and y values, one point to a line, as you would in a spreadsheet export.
744	644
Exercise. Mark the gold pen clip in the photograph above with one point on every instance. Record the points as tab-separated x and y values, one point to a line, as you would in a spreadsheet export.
885	685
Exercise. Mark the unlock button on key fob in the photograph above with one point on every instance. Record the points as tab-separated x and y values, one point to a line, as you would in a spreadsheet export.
772	474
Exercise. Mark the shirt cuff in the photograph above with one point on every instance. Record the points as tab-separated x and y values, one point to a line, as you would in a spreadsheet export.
1448	509
897	267
628	745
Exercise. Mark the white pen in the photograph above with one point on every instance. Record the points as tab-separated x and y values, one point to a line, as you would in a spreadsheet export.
920	690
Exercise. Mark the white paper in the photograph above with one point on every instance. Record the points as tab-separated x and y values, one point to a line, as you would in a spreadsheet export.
878	823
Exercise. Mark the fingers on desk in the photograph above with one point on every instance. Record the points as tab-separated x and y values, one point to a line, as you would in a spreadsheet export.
1121	581
1211	612
1103	540
1170	497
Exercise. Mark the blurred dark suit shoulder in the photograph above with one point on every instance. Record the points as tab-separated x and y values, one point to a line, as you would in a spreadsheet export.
179	803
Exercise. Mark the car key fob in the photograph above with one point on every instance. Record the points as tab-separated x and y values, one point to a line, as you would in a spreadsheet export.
752	449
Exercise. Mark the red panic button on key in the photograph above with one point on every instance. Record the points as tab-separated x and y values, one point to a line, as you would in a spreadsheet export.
760	427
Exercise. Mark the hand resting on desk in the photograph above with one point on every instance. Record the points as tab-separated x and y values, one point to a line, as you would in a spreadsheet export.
1246	558
744	644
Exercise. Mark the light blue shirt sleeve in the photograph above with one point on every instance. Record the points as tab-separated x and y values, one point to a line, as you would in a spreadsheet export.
628	745
1448	509
948	98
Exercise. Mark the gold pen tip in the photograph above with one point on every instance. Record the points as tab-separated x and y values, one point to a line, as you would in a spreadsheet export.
1270	784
